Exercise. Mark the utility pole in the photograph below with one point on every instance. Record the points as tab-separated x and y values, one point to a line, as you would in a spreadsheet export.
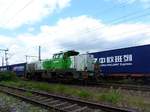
39	53
2	61
6	53
6	57
26	58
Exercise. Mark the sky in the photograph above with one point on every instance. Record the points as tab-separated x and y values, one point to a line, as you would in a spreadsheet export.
60	25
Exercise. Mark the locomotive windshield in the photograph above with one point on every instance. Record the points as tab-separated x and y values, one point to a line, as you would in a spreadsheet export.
65	54
59	55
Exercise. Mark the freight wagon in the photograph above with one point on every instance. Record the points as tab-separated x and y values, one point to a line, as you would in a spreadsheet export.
131	61
19	69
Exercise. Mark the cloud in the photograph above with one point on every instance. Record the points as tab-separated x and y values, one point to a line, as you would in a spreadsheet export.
15	13
82	33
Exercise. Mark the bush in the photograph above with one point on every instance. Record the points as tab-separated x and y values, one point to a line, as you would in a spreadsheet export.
7	76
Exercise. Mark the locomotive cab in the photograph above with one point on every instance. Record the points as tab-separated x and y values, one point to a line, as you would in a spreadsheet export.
65	54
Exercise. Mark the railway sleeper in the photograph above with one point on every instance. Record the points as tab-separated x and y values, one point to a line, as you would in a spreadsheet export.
53	102
36	96
69	106
41	98
60	104
73	108
47	100
81	109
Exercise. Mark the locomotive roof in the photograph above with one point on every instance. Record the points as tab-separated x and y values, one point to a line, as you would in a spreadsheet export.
72	53
69	53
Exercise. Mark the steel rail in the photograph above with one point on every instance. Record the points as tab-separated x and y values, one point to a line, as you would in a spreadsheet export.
42	98
122	86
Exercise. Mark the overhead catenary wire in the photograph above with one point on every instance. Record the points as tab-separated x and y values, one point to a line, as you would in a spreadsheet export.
122	18
19	11
108	10
26	5
129	16
132	32
133	15
8	7
126	32
115	22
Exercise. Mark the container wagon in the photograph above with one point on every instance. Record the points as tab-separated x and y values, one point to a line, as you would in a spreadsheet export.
19	69
125	62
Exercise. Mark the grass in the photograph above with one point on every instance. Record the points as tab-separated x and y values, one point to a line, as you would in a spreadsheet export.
29	94
111	95
54	88
8	76
84	94
138	102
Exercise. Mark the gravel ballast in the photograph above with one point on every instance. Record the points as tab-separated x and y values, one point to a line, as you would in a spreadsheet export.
11	104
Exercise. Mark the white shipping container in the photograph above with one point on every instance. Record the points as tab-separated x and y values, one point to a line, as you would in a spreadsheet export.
39	65
35	66
82	62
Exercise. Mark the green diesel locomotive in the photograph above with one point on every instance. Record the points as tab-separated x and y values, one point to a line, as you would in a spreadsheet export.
69	65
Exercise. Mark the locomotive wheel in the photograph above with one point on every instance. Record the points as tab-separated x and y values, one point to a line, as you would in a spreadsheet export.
76	75
46	75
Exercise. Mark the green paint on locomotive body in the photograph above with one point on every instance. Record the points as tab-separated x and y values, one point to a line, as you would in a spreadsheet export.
60	61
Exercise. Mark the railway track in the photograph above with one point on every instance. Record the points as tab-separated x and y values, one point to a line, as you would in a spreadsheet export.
4	109
145	88
123	86
59	103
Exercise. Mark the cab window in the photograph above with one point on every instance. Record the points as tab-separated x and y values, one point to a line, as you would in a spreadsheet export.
56	56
